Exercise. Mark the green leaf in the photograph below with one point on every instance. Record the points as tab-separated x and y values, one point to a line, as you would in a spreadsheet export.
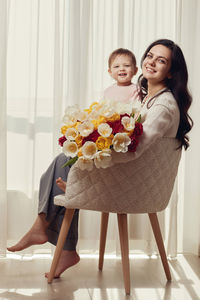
70	162
139	119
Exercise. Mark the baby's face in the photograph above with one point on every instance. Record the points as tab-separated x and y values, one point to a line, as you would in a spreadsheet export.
122	69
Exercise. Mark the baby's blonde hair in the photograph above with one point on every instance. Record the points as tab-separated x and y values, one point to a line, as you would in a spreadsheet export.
121	51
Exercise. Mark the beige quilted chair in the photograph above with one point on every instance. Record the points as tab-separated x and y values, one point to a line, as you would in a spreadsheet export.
143	185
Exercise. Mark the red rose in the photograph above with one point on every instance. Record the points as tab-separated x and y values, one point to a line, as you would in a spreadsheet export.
61	140
133	145
138	129
91	137
124	115
116	126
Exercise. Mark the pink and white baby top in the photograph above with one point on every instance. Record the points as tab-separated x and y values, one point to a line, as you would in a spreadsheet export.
121	93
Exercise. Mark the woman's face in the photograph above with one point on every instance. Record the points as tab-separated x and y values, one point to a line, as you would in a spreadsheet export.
157	64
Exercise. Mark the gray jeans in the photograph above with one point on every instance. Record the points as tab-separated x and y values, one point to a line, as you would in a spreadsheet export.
54	214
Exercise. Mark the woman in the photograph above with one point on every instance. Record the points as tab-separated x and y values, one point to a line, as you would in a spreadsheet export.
164	83
165	104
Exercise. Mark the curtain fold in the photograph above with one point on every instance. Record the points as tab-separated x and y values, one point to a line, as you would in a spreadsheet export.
190	43
3	130
57	56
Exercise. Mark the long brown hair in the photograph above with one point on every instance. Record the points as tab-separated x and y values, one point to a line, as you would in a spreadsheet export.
177	84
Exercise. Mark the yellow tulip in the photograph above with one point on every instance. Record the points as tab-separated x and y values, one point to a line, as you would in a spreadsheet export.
64	129
80	153
79	140
104	143
114	118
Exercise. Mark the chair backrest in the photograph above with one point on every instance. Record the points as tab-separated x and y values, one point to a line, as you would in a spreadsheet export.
143	185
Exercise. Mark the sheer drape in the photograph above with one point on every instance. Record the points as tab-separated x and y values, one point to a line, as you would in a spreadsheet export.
30	107
3	169
57	56
190	42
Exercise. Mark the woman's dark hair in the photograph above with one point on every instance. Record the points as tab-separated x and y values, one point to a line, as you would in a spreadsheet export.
177	83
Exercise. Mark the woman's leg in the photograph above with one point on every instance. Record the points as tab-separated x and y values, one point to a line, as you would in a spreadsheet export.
49	219
35	236
67	260
54	213
50	216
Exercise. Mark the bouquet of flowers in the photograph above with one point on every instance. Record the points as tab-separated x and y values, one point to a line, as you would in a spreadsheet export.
90	135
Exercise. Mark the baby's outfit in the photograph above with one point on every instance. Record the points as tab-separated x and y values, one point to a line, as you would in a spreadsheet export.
121	93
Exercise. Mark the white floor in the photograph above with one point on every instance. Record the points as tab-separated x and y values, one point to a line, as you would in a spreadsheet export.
22	278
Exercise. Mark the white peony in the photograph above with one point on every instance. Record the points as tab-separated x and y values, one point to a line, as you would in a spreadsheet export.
102	159
93	115
128	123
71	134
96	106
102	102
71	114
124	108
108	112
136	107
89	149
70	148
104	130
69	120
82	116
86	128
84	163
108	109
121	142
72	110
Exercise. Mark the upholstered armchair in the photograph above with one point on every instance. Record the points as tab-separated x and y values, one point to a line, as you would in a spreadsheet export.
142	185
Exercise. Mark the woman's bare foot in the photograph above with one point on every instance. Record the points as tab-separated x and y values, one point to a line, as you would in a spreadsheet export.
35	236
61	184
67	260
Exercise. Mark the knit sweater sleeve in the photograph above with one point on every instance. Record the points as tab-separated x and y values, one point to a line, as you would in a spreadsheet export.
161	120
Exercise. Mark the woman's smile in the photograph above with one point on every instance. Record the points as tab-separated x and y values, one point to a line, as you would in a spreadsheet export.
150	70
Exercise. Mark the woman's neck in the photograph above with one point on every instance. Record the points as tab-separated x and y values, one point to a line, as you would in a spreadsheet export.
154	89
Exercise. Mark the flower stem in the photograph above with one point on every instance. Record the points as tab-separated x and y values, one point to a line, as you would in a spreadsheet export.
70	162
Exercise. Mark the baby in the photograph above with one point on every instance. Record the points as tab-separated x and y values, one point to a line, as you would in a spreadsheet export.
121	67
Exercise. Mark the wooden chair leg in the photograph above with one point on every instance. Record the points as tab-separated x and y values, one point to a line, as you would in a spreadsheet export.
123	235
67	219
158	236
103	234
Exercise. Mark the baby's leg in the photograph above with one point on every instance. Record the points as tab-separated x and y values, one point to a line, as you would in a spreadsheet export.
61	184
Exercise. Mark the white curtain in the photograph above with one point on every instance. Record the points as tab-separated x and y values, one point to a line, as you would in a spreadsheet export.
3	168
57	56
190	42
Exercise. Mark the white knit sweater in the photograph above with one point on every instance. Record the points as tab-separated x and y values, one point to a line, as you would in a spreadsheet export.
160	120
